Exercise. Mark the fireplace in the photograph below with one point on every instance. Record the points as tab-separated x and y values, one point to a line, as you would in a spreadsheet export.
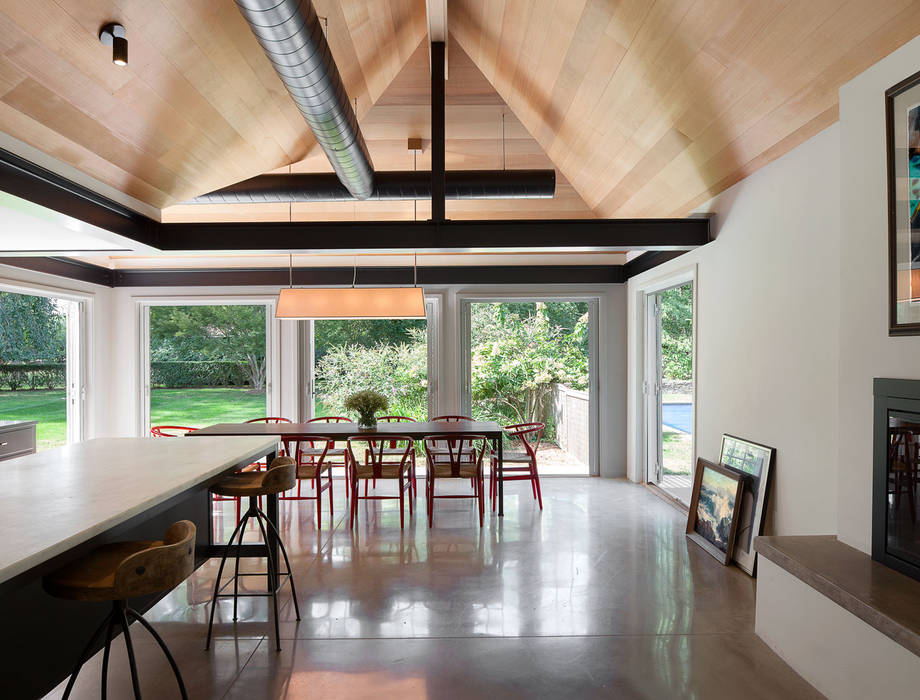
896	475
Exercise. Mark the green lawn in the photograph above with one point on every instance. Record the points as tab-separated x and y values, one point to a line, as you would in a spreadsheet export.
47	407
197	408
676	452
192	407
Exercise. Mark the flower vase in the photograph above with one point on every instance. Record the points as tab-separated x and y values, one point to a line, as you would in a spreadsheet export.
367	423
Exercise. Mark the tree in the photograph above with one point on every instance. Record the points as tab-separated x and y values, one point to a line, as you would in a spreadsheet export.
677	332
362	332
519	356
32	329
230	332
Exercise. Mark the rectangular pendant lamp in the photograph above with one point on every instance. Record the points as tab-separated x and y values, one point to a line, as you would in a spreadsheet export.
344	303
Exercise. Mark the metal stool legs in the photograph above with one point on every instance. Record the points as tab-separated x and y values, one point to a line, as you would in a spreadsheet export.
119	616
275	576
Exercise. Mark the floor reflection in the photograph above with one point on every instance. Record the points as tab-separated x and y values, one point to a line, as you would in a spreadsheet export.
598	589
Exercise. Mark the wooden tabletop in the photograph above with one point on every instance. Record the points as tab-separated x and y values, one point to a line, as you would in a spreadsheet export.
489	429
54	500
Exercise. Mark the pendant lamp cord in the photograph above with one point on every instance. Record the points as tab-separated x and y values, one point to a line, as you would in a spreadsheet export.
415	270
354	277
291	271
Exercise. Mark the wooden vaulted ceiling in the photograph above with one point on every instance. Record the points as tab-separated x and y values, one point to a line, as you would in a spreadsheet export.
474	112
646	107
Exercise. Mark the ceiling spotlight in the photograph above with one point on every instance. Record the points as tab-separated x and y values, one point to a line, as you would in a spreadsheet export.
114	35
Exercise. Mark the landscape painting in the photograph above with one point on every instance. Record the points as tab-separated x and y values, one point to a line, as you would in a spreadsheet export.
713	517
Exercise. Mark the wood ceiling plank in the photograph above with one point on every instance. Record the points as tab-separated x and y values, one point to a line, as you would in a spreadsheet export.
34	100
67	151
735	80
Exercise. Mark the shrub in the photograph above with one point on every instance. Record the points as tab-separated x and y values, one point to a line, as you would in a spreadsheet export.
177	374
396	370
51	375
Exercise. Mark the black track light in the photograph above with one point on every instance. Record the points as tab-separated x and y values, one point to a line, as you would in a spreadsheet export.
114	35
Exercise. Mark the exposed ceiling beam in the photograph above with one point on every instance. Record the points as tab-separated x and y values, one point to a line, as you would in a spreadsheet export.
436	10
573	235
26	180
437	132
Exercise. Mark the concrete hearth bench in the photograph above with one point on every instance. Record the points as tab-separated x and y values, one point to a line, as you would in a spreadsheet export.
847	624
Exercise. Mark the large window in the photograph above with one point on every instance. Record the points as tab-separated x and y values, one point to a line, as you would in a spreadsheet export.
530	361
207	364
40	365
389	356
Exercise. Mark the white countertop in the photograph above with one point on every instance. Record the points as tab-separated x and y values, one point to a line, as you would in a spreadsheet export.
54	500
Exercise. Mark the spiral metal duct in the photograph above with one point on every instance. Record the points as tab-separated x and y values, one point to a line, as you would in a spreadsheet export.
400	185
292	37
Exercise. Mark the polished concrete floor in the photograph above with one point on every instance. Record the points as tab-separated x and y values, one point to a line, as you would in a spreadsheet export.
599	595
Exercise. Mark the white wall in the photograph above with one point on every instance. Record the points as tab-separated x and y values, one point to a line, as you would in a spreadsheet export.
866	351
767	327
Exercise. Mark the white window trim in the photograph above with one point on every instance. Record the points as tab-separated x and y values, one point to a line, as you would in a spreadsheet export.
142	306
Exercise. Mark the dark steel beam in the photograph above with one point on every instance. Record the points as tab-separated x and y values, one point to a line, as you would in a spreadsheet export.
29	181
437	132
373	276
63	267
647	261
513	235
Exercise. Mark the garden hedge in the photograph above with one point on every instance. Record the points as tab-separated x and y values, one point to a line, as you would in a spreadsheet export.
198	373
46	375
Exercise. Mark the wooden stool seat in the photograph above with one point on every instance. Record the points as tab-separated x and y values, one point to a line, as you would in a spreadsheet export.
116	572
279	478
93	576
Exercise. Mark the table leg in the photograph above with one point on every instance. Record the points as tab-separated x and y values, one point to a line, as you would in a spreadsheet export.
272	513
501	481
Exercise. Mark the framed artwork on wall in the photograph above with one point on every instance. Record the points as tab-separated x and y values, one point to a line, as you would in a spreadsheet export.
902	127
755	462
714	507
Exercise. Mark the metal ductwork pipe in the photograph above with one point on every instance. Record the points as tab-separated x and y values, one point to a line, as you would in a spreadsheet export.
399	185
293	39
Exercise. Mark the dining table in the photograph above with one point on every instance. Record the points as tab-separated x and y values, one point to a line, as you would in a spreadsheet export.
417	430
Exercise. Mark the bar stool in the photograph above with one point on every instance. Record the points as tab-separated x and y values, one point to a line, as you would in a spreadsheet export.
123	570
280	477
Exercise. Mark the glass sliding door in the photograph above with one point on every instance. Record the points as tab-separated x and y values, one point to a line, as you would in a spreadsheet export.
532	361
207	364
41	365
390	356
669	389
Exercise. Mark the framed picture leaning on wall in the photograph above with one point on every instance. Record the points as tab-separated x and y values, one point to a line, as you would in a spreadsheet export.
755	462
902	130
712	521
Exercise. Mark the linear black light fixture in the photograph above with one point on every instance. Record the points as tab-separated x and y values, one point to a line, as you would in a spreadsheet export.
114	35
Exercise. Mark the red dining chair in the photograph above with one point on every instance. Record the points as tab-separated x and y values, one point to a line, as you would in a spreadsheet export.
456	466
391	449
288	445
170	430
314	458
530	435
440	449
381	462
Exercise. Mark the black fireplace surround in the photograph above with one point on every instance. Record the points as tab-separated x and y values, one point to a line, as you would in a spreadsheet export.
896	475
